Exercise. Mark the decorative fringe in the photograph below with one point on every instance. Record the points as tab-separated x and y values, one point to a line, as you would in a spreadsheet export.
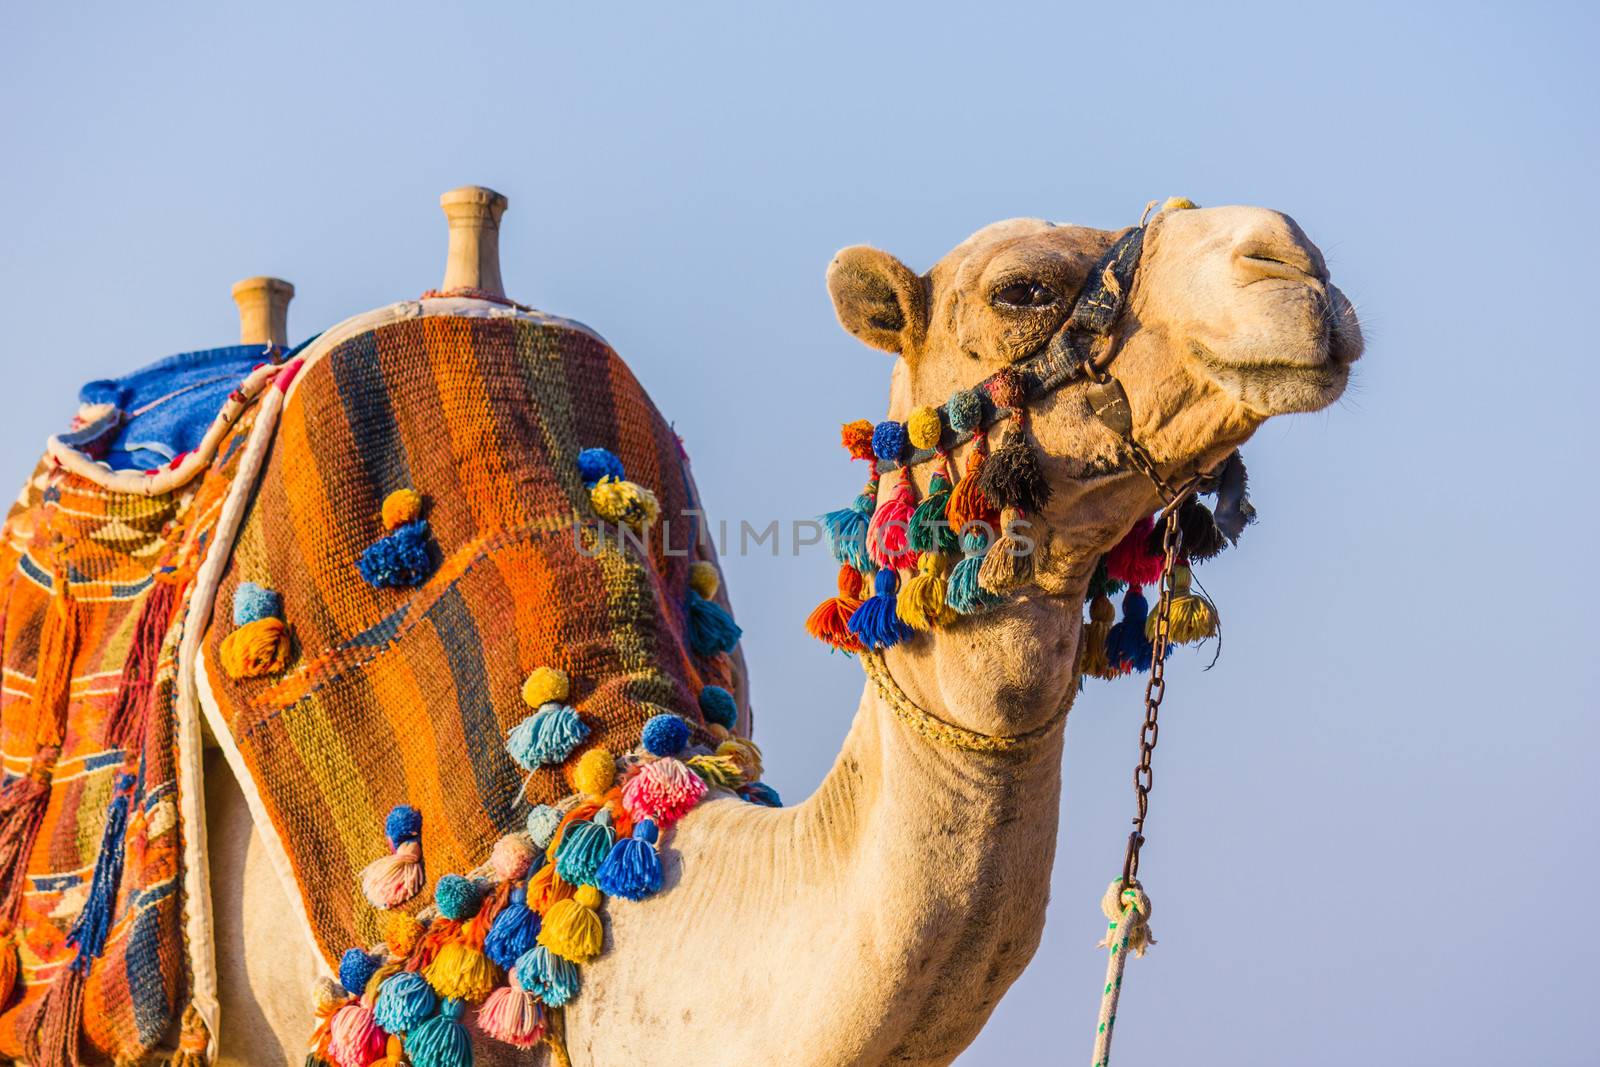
1008	565
127	718
1234	511
876	623
194	1041
719	772
441	1041
930	530
572	928
711	630
10	967
547	736
847	531
22	806
547	976
546	889
404	1001
354	1037
1126	645
964	592
968	505
633	869
1193	618
663	790
57	1023
515	930
461	971
584	848
88	933
830	622
1011	477
58	650
399	876
513	1016
1131	560
921	604
1092	658
888	535
1201	538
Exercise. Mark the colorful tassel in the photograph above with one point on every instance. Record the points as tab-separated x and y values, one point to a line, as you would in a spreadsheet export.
547	736
888	534
964	410
513	855
1192	618
597	463
921	603
57	1022
256	649
1202	540
711	630
441	1041
127	719
846	530
633	869
718	772
584	847
968	505
963	591
664	790
1127	647
830	621
624	503
664	735
512	1015
10	967
396	878
463	972
545	888
761	793
399	559
1092	658
354	1037
456	898
889	440
356	968
547	976
88	933
719	707
572	928
545	685
1008	565
542	823
924	428
1011	478
1101	583
1234	511
1131	560
404	1001
856	437
514	931
876	623
930	531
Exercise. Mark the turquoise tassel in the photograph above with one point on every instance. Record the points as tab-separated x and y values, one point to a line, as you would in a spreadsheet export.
547	736
547	976
441	1041
583	849
847	532
711	630
404	1000
962	592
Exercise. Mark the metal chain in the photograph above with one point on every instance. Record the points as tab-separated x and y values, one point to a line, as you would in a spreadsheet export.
1155	689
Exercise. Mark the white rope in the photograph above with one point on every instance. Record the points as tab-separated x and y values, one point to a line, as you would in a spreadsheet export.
1127	914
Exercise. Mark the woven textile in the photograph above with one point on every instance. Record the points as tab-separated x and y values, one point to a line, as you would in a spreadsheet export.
97	582
404	695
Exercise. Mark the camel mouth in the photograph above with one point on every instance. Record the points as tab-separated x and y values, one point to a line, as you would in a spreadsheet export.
1285	385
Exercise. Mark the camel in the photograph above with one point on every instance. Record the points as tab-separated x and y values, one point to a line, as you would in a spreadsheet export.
881	919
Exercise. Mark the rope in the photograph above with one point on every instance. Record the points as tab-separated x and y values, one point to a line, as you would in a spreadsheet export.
1127	912
936	729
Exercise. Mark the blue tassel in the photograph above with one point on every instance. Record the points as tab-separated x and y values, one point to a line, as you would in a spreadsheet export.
847	532
875	622
583	849
402	558
633	870
356	968
547	976
252	602
88	933
441	1041
513	932
1126	642
711	630
597	463
664	735
719	707
405	999
547	736
962	592
761	793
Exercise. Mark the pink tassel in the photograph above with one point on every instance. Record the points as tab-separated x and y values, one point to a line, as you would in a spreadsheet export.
888	535
664	790
512	856
354	1037
395	878
511	1014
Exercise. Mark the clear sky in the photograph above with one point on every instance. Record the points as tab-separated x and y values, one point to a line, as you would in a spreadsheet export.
1373	837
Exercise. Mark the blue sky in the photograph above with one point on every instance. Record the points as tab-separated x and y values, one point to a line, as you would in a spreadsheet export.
1373	835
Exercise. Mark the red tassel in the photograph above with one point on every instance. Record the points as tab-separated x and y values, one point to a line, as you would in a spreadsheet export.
58	648
127	717
829	622
9	966
1131	560
22	806
58	1022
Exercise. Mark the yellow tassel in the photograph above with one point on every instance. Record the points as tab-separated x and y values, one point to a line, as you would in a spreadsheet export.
401	932
1177	203
1092	659
572	927
462	972
704	579
1008	564
618	501
920	604
745	754
924	428
593	772
1193	617
256	649
545	685
400	507
721	771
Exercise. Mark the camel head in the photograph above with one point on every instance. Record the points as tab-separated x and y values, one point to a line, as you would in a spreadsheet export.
1231	319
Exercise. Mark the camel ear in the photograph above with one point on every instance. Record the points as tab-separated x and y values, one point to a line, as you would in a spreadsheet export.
878	299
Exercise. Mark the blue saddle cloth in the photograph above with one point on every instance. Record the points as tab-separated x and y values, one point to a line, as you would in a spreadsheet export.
168	406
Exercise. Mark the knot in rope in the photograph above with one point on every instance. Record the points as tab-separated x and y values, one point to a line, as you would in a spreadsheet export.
1127	912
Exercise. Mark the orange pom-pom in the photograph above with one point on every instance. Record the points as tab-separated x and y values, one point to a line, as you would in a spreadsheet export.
255	649
400	507
857	438
830	621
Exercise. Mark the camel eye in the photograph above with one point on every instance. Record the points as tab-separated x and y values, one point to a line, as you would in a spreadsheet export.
1024	294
